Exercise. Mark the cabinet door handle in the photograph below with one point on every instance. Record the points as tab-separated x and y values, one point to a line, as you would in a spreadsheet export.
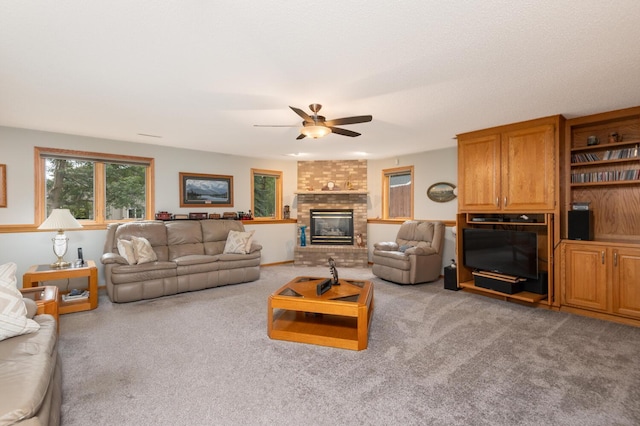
615	258
602	252
497	201
505	201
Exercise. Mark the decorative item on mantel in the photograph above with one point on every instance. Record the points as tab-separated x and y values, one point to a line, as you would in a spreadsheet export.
348	185
330	186
164	216
303	235
198	215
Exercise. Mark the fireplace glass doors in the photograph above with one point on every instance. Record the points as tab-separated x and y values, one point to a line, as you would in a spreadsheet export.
332	226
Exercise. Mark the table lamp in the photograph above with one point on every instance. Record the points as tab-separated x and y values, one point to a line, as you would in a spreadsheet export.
60	219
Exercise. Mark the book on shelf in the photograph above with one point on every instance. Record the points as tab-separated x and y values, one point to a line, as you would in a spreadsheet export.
610	176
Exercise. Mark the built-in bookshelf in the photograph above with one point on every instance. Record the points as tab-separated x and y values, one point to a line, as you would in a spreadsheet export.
616	162
603	168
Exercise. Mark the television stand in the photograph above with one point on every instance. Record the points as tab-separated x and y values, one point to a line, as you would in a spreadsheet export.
541	292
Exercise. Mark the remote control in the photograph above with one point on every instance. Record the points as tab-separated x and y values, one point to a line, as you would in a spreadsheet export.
323	287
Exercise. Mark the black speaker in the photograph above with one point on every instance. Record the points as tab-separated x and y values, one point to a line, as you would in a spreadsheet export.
581	224
539	286
450	278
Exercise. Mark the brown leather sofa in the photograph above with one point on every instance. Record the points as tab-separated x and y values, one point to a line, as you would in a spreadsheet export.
414	257
190	257
31	376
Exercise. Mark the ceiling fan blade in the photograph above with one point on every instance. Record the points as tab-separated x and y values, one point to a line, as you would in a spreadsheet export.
306	117
276	125
301	136
349	120
344	132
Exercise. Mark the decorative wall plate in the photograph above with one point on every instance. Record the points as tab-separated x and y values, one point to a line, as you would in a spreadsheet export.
441	192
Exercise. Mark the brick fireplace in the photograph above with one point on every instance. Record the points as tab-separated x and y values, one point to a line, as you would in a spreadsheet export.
339	185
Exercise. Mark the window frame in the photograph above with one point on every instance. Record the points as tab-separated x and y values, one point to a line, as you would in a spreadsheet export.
99	182
386	175
279	205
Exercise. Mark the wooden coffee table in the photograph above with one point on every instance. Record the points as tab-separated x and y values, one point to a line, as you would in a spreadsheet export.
339	318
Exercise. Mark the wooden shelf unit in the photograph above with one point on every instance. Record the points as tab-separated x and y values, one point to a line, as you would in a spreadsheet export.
601	278
615	203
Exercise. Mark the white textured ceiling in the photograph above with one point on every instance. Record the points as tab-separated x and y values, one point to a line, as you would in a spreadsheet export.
201	73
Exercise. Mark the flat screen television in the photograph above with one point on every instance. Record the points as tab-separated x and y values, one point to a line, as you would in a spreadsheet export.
501	251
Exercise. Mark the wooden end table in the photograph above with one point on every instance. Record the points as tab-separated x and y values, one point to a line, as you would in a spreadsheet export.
40	273
339	318
46	299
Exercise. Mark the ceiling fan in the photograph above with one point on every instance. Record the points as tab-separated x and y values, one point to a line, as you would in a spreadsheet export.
316	126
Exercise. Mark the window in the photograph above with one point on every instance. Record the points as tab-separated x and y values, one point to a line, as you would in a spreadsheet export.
95	187
266	194
397	193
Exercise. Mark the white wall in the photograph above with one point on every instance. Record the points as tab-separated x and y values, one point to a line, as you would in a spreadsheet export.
429	168
26	249
278	240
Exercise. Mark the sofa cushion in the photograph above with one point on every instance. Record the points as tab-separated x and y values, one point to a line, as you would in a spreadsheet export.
394	259
34	357
126	250
416	233
13	311
121	274
154	231
196	264
195	259
143	251
238	242
214	234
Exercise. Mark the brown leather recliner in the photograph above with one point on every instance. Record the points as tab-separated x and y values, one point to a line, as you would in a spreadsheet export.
416	255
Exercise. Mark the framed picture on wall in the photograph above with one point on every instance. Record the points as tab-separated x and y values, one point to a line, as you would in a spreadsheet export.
3	185
441	192
201	190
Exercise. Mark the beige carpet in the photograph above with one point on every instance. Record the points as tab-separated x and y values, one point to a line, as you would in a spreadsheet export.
435	357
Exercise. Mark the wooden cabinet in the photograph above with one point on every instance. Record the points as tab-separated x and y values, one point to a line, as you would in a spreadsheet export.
478	173
626	282
601	165
510	168
585	276
601	277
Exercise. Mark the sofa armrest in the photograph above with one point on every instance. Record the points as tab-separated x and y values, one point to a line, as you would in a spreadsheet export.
386	246
255	247
113	258
420	251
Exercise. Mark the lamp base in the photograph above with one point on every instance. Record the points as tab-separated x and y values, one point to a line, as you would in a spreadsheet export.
60	264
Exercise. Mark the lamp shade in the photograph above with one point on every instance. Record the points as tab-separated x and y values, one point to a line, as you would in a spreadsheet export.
60	219
315	131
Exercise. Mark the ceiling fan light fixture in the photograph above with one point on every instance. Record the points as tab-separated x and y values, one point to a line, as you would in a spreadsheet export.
315	132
